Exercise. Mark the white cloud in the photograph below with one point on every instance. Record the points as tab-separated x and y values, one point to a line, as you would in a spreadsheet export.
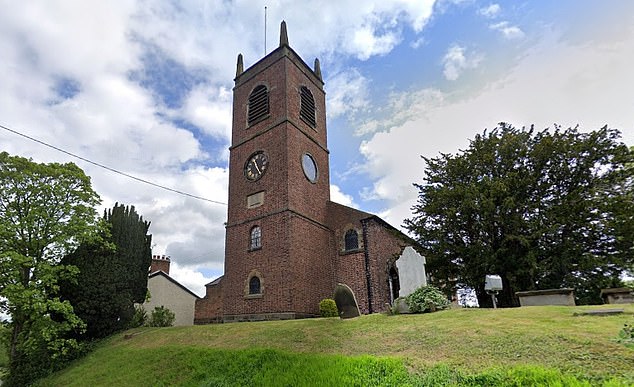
553	83
347	93
456	61
418	43
210	110
403	107
509	31
191	279
491	11
369	43
336	195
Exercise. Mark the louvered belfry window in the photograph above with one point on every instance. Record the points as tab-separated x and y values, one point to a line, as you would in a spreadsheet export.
307	106
258	104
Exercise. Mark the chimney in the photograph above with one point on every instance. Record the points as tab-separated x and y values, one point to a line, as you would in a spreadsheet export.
160	262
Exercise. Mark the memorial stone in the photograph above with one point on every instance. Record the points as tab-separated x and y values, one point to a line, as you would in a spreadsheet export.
346	302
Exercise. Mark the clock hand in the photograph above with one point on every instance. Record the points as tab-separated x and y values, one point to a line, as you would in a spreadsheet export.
256	166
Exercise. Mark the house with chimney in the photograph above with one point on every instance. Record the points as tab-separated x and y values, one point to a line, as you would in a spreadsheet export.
167	292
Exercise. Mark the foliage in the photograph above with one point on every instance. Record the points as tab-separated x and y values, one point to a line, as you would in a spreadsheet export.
112	276
427	299
4	346
626	335
139	318
161	317
46	211
328	308
134	248
543	210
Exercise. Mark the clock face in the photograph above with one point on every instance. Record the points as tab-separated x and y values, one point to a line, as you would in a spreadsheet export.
256	166
310	167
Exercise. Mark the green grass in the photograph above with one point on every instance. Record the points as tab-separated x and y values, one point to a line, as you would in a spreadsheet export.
460	347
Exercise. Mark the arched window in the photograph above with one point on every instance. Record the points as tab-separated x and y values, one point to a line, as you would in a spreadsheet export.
254	285
256	238
307	106
258	104
351	240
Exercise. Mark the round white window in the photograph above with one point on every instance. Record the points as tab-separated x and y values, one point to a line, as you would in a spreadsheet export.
310	167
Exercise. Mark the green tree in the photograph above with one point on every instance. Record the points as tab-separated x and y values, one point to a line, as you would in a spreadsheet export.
112	277
541	209
46	211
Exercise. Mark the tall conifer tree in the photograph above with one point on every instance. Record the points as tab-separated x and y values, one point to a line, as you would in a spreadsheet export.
112	276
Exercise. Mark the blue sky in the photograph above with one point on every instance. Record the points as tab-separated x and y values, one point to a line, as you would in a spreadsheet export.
144	87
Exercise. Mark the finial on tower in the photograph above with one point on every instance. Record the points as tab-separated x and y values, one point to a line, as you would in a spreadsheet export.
240	66
283	35
317	69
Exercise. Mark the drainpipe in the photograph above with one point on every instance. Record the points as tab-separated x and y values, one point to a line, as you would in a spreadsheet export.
366	254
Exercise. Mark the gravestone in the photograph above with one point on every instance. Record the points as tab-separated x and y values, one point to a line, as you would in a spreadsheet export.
617	295
346	302
401	307
564	296
411	271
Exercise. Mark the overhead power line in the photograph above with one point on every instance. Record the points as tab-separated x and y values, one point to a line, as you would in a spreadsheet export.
112	169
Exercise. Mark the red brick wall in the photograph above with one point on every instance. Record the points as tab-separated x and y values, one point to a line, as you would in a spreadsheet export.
160	262
271	262
295	263
384	247
311	267
209	308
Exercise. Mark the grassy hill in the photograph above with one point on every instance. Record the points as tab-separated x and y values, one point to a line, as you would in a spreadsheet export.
459	345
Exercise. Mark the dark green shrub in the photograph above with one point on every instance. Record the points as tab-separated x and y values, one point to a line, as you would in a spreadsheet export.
139	318
427	299
328	308
161	317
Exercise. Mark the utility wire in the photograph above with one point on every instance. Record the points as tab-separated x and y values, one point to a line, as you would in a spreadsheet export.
111	169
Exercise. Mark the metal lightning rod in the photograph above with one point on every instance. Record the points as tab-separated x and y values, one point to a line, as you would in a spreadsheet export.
265	30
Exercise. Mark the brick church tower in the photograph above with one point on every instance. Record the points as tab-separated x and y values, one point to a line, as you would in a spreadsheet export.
287	245
277	250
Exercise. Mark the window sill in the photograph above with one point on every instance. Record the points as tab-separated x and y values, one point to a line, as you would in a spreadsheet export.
253	296
255	249
347	252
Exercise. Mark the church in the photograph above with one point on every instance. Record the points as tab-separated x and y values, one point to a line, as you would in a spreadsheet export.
287	244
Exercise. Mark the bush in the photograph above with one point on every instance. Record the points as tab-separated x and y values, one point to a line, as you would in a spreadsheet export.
328	308
161	317
139	318
626	335
427	299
